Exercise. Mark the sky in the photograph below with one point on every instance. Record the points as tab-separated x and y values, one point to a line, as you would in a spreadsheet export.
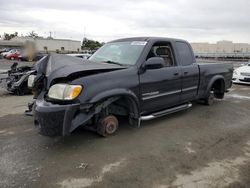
105	20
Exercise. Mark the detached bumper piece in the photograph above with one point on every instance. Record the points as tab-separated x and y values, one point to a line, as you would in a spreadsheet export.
57	120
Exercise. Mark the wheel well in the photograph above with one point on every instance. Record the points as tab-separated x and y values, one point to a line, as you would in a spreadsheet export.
125	106
218	87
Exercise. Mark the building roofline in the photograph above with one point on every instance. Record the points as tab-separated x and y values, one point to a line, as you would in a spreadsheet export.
58	39
39	38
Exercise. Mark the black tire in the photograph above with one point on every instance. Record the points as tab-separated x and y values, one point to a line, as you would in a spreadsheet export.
210	99
219	95
107	126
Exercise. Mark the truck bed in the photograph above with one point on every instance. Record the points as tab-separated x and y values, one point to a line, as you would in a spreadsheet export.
209	70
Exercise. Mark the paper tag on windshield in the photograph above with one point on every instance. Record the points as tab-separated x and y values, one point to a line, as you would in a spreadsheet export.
142	43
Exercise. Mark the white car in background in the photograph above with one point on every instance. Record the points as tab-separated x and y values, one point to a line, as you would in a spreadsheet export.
5	53
242	74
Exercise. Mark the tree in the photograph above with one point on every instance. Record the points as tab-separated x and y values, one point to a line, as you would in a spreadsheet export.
90	44
7	36
32	34
84	41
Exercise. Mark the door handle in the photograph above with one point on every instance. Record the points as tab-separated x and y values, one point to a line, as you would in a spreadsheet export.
176	74
185	73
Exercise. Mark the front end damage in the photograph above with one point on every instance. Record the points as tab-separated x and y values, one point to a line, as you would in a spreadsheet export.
55	120
61	120
57	115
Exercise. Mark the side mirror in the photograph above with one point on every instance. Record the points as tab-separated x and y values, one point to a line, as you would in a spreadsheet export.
154	63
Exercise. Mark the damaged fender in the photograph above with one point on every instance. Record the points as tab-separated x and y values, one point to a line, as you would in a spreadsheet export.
134	108
96	105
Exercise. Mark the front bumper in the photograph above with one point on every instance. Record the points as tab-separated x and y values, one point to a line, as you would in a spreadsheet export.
241	79
59	120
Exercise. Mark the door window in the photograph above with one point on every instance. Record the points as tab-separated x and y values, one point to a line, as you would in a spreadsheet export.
164	51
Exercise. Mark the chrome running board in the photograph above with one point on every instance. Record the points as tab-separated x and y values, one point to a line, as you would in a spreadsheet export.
165	112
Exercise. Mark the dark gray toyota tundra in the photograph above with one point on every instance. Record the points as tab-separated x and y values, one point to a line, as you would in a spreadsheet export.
139	78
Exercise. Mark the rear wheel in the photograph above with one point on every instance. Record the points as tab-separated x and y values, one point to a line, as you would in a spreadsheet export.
219	95
210	99
107	125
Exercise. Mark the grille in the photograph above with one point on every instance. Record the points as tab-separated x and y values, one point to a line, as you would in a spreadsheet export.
245	80
245	73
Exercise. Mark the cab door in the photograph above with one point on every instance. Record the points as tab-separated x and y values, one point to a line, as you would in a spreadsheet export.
160	88
190	72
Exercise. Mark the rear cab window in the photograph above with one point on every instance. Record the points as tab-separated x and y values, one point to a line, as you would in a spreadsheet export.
184	53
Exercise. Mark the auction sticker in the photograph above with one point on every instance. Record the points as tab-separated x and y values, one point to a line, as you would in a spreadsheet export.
142	43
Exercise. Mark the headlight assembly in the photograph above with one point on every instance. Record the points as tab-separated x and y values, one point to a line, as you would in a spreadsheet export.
64	91
31	80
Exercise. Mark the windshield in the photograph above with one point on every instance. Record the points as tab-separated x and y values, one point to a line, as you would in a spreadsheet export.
124	53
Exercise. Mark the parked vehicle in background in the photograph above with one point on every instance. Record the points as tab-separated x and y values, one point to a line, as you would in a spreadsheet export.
4	54
138	78
13	56
16	81
36	56
84	55
246	63
5	50
242	74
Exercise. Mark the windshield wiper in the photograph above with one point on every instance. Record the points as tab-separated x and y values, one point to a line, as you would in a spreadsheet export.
113	62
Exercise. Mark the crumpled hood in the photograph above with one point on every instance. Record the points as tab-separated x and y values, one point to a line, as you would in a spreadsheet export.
62	66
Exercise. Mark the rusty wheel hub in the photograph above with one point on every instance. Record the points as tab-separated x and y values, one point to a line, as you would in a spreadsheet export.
108	125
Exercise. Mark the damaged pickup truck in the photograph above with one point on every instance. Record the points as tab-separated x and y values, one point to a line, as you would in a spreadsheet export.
139	78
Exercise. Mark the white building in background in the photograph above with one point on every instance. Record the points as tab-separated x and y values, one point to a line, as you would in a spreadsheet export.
50	45
10	44
221	47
